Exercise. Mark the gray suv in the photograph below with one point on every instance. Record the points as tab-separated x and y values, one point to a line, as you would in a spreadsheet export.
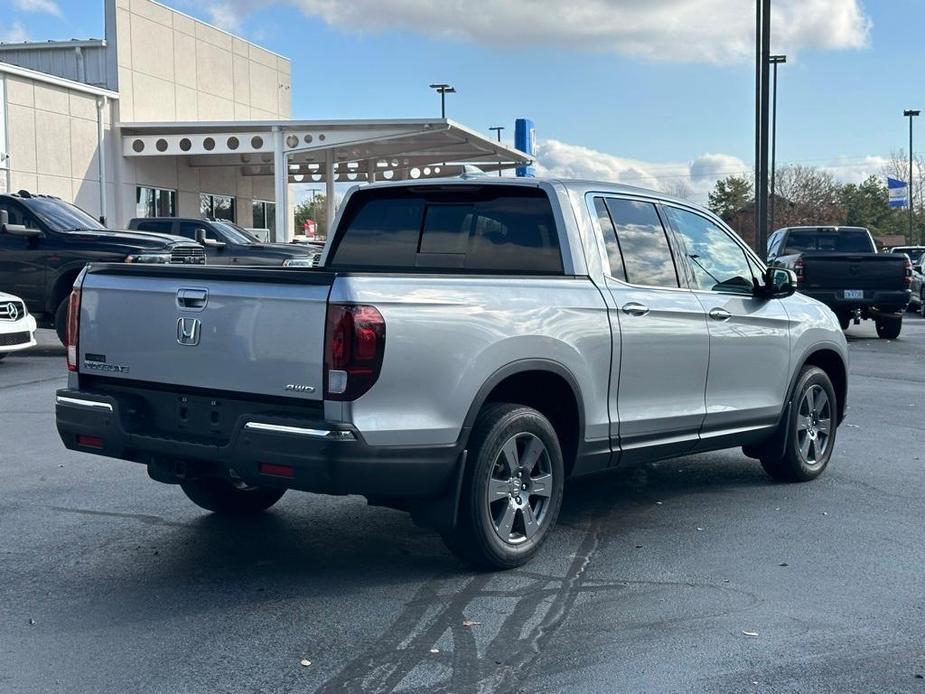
465	346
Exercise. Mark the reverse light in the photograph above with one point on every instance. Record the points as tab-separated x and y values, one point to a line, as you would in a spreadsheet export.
353	352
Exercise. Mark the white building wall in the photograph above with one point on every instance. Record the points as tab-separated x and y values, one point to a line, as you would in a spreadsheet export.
172	67
52	136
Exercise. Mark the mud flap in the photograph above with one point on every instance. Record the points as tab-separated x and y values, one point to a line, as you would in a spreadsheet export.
775	446
441	514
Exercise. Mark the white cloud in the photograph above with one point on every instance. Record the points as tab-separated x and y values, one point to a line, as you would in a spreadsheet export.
856	169
14	33
695	178
226	15
711	31
687	30
44	6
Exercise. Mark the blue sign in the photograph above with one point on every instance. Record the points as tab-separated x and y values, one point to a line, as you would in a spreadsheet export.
525	141
899	192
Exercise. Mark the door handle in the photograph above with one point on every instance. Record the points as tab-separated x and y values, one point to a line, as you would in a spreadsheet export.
720	314
634	309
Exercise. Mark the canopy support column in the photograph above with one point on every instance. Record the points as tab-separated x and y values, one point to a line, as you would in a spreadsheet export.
330	209
281	186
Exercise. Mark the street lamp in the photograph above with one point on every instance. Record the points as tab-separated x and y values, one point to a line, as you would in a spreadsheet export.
498	129
910	114
775	61
443	90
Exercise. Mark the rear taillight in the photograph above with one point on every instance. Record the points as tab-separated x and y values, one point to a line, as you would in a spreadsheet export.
799	268
907	273
353	350
73	324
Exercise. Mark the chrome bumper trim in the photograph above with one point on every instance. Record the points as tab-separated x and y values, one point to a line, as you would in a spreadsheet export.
302	431
62	400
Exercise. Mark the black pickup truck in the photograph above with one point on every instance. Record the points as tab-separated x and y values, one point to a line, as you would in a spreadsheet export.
228	244
45	243
840	267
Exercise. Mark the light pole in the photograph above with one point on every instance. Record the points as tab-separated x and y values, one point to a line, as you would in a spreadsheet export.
775	61
910	114
498	129
443	90
762	118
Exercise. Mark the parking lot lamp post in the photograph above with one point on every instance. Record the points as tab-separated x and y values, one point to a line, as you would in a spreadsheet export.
498	129
775	61
443	90
910	114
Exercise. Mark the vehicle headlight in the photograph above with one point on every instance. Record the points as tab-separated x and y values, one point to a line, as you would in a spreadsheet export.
161	258
299	262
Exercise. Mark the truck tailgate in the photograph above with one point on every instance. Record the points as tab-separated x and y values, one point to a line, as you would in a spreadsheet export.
246	330
854	271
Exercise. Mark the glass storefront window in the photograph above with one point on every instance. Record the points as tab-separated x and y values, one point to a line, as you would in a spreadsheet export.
155	202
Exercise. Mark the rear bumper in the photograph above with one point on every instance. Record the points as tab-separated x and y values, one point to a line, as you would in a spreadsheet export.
891	301
292	453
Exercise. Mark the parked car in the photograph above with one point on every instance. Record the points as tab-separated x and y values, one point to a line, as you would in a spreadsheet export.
914	252
17	327
840	267
226	243
45	242
917	300
465	347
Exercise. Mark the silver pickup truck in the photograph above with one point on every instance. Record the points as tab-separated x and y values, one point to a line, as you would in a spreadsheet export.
465	346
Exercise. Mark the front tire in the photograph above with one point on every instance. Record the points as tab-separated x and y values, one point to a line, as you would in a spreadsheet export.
512	488
61	320
889	328
226	497
810	431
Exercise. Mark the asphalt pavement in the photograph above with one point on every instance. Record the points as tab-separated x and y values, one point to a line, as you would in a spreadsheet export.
698	574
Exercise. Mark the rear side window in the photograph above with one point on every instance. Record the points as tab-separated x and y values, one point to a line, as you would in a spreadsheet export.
159	227
609	233
481	229
643	242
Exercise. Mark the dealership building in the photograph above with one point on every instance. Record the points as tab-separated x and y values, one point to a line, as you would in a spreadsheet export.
170	116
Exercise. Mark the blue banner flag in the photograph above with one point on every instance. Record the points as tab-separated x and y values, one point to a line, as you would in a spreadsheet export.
899	192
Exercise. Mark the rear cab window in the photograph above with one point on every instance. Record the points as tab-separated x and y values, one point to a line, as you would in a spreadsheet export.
485	228
840	241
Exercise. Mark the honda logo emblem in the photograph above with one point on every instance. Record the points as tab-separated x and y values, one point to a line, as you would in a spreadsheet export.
188	331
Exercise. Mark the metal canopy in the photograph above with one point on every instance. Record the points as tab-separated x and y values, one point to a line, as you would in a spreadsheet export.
339	151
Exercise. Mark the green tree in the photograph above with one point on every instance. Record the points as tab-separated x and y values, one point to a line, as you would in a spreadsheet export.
867	205
730	195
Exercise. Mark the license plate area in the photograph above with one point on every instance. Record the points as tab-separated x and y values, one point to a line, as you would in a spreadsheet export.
854	293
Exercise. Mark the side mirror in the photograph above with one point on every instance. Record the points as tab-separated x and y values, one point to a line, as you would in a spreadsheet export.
201	236
779	283
15	229
212	243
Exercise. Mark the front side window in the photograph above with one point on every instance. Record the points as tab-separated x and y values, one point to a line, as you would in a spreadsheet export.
155	202
192	230
217	206
717	262
643	242
19	216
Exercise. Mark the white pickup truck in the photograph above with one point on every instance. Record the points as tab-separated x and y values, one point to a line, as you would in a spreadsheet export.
465	347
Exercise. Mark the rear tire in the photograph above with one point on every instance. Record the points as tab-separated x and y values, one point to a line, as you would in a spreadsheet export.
922	303
3	356
61	320
889	328
227	498
512	488
810	430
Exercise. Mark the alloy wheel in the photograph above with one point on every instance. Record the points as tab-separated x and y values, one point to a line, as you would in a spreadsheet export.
519	488
814	425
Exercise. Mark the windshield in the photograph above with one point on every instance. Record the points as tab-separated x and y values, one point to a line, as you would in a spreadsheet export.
857	241
61	216
915	254
236	234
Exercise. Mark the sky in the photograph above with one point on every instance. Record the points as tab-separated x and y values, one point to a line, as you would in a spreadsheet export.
658	93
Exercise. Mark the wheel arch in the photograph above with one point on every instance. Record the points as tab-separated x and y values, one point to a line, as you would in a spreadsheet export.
547	386
830	361
62	287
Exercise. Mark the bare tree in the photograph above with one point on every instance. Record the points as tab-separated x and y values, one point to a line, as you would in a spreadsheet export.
679	189
807	195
